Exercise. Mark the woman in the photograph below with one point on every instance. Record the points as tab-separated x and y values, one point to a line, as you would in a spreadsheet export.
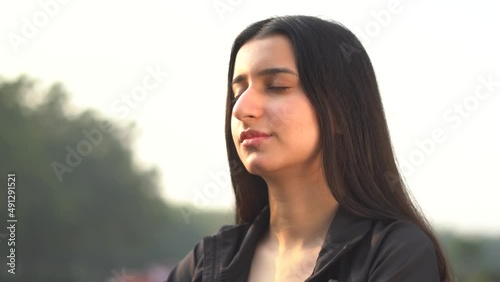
318	193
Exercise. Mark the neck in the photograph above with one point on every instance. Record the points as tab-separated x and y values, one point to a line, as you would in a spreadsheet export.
301	210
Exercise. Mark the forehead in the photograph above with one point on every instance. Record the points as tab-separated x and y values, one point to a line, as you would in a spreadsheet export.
268	52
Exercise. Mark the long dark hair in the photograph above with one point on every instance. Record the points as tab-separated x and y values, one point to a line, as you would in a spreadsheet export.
338	79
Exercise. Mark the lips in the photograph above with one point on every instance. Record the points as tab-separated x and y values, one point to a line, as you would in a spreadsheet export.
252	134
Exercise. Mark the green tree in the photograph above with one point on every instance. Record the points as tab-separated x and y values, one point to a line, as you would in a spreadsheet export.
83	207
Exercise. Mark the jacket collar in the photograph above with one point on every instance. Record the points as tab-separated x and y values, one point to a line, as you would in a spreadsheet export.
344	231
241	242
235	246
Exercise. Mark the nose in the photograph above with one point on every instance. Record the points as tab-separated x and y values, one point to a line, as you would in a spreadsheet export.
249	105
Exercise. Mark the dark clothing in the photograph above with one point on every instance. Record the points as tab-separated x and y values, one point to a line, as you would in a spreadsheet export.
355	249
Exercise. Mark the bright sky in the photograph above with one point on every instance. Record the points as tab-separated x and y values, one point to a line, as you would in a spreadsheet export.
162	65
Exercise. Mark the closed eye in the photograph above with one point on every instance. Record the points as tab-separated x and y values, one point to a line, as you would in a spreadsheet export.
278	88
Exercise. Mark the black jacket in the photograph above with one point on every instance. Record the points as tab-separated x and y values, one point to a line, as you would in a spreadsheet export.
355	249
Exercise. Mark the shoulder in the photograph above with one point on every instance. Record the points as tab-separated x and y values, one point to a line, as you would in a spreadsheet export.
190	268
400	233
401	251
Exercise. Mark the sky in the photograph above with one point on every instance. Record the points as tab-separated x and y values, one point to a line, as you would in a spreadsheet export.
163	64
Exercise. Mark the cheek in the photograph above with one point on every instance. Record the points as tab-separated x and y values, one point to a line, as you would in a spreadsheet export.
283	117
299	125
296	115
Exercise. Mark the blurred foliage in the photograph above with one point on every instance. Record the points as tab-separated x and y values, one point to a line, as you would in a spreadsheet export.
104	213
473	258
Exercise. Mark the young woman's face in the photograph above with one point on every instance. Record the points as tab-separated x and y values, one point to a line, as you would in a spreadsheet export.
274	126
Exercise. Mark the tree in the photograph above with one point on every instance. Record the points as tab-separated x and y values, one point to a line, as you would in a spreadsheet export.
83	207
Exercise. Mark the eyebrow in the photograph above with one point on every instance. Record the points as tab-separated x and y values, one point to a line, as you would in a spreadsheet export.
265	72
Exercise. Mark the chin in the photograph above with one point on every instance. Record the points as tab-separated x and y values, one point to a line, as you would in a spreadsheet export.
259	168
256	170
254	166
262	164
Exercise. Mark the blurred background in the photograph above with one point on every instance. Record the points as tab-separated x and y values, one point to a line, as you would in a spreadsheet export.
112	120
